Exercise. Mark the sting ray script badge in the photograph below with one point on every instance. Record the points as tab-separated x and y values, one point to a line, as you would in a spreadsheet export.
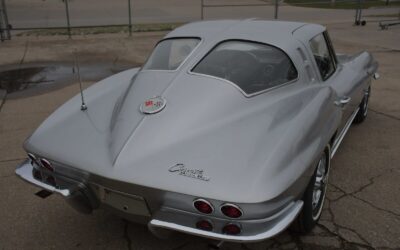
192	173
153	105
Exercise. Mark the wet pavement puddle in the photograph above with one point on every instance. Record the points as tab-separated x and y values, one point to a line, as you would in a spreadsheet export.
36	78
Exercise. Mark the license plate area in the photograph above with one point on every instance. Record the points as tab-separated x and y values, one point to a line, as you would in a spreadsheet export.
127	203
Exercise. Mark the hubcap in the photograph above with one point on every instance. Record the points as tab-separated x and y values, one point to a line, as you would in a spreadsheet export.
320	185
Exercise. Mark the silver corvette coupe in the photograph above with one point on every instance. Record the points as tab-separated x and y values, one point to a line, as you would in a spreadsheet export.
226	132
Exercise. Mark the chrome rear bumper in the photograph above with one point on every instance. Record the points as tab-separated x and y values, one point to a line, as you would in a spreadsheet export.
84	199
76	193
252	230
24	171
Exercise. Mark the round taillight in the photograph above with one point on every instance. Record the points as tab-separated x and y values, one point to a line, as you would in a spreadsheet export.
204	225
46	164
232	211
33	159
203	206
231	229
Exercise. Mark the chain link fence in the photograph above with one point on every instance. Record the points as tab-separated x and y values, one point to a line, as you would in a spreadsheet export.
361	11
128	14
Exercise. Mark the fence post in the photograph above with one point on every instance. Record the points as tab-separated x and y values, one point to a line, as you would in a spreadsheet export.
130	17
202	9
6	24
1	26
68	23
361	8
276	8
356	20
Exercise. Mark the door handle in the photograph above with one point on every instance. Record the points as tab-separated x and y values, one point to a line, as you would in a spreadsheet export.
343	101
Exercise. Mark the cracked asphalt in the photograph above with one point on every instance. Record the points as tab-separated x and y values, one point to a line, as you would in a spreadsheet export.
362	210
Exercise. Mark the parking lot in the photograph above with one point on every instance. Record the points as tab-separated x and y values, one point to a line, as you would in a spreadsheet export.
362	210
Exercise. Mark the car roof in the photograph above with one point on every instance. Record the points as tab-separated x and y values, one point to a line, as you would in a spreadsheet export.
282	34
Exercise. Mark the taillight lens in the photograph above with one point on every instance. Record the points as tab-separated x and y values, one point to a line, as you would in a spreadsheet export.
204	225
203	206
33	159
46	164
231	229
232	211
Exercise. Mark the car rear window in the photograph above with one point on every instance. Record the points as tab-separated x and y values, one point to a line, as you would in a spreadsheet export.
253	67
170	53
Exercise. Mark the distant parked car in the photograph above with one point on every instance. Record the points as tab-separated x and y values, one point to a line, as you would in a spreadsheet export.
226	132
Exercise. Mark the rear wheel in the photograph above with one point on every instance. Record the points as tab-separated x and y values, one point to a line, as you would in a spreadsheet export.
314	196
363	111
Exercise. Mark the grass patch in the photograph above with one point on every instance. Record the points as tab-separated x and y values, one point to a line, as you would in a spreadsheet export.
101	30
340	4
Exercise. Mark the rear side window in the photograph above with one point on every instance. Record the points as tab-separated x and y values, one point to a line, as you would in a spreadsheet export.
253	67
322	56
170	53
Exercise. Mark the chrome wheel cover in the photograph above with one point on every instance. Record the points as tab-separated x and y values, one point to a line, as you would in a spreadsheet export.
320	185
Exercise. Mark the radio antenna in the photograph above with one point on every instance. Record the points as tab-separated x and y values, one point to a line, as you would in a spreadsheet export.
83	105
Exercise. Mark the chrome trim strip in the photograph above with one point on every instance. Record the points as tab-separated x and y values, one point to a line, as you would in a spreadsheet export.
343	132
293	209
24	171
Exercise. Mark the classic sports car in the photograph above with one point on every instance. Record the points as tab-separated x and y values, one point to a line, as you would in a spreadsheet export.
226	132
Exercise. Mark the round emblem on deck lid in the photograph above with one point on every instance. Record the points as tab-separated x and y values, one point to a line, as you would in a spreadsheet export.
153	105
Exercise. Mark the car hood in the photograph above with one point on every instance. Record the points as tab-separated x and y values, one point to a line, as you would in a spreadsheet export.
209	139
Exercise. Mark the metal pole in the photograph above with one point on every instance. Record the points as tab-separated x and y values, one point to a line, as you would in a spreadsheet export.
130	17
1	25
360	13
68	23
202	9
276	8
356	16
356	20
7	25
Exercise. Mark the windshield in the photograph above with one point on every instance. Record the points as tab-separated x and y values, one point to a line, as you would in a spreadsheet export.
253	67
170	53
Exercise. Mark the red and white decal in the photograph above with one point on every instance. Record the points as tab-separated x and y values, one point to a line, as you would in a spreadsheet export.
153	105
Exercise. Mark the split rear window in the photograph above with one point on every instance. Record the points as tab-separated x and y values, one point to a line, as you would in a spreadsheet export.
169	54
253	67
